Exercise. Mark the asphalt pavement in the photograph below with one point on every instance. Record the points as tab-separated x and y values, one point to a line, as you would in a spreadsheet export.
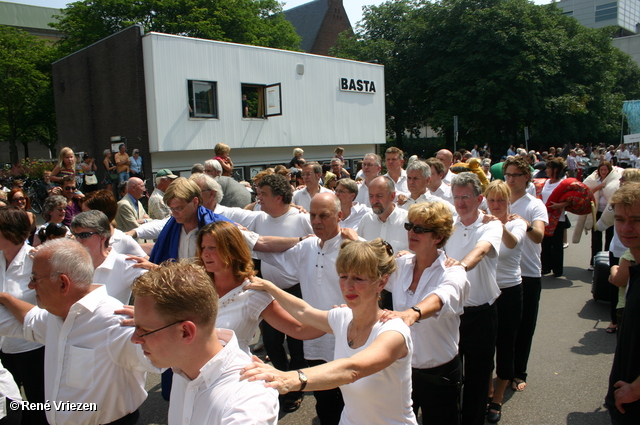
568	369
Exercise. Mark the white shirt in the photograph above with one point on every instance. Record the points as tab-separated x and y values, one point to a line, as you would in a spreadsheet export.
315	268
303	198
547	190
448	177
151	229
240	310
531	209
428	197
218	396
391	231
89	358
188	243
531	190
157	208
15	281
363	195
357	212
435	339
125	244
484	288
8	388
401	184
237	215
117	275
290	224
381	398
444	192
508	272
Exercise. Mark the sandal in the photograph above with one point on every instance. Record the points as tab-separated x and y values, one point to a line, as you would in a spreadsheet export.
518	385
291	405
494	413
612	330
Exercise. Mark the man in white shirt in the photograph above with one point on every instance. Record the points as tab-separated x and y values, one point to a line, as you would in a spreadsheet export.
206	361
476	245
385	220
371	167
435	184
131	213
311	174
623	156
418	176
157	208
312	263
88	357
446	157
278	218
517	174
394	160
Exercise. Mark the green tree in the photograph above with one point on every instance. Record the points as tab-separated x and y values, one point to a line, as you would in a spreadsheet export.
256	22
25	85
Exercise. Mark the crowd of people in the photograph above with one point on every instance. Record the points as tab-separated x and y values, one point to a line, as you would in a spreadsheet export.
398	295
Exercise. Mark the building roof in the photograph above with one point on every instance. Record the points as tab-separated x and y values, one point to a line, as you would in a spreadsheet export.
307	20
27	16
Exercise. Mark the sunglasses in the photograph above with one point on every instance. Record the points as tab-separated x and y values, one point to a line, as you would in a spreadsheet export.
84	235
417	229
18	200
69	188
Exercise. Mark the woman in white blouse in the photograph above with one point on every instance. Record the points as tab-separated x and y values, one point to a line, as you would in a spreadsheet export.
223	252
372	362
509	280
429	297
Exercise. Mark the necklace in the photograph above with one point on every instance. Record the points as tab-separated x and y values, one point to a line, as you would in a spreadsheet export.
350	342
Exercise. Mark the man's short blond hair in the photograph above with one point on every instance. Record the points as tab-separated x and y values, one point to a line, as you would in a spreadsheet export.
183	188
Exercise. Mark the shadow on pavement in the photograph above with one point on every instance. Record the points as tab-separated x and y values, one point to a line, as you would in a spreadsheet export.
595	310
599	417
595	342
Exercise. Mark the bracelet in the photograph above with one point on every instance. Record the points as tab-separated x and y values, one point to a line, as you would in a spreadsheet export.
466	268
303	380
417	310
300	239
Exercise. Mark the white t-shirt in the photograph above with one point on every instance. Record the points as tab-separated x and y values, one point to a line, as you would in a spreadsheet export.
237	215
218	396
392	230
303	198
435	339
508	272
382	398
531	209
484	288
240	310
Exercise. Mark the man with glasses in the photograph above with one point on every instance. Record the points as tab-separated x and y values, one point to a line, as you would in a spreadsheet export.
131	213
476	245
371	167
517	174
89	357
311	173
175	315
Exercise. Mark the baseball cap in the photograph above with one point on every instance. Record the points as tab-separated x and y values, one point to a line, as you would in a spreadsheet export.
165	172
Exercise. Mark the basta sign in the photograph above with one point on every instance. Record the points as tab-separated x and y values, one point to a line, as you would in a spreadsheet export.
359	86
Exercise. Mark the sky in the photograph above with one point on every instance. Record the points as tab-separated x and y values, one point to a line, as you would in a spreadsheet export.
353	7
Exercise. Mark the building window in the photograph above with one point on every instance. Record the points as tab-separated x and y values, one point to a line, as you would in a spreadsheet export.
261	101
605	12
203	99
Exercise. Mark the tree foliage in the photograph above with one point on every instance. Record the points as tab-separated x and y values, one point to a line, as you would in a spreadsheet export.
25	88
255	22
499	65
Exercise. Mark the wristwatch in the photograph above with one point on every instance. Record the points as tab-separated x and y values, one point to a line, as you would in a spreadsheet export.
417	310
530	228
303	380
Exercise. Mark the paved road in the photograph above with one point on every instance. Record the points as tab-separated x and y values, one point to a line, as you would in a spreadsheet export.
569	366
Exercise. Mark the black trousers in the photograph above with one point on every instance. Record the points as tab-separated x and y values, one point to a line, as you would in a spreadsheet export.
478	328
553	251
14	416
531	289
28	370
509	305
437	392
329	403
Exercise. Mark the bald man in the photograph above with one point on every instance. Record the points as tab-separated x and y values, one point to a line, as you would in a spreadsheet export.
446	157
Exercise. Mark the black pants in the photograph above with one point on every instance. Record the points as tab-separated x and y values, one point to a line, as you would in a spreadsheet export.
437	392
531	289
478	328
329	403
553	251
596	239
28	370
509	305
14	416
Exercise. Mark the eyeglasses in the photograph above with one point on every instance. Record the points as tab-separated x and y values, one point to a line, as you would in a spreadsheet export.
417	229
157	330
369	165
18	200
464	198
34	280
342	192
69	188
308	174
178	209
84	235
507	175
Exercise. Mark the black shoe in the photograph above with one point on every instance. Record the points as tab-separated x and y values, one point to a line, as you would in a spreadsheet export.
494	417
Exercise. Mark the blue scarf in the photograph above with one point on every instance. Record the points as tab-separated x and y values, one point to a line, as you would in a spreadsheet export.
166	247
